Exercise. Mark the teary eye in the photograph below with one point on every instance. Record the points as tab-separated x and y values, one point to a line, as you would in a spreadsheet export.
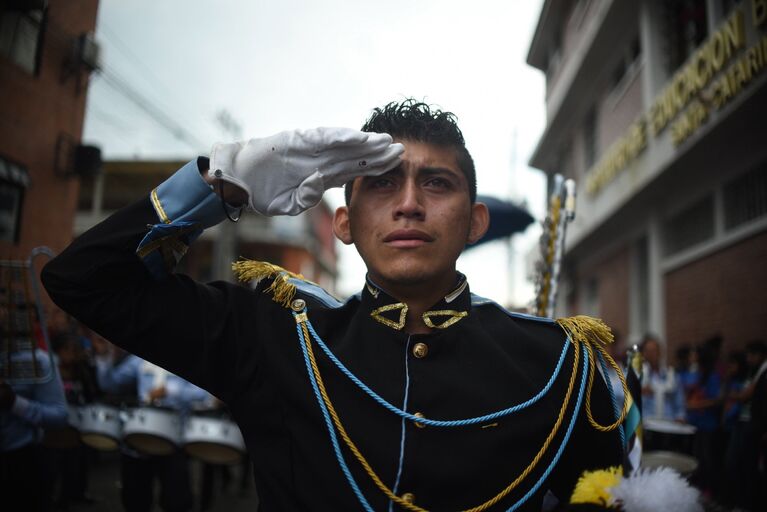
438	182
380	182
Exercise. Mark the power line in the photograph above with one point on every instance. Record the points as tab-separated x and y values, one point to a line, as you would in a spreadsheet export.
64	40
155	112
147	73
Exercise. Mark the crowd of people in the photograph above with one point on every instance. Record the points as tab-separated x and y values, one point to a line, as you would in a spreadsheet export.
722	398
45	468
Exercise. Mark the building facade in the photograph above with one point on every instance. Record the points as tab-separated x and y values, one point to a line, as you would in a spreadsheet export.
46	58
657	109
303	244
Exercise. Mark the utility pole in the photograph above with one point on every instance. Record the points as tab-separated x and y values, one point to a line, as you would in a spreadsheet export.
225	242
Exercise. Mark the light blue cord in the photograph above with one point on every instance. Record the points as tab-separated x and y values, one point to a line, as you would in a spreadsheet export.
616	407
331	430
438	423
565	439
395	489
353	483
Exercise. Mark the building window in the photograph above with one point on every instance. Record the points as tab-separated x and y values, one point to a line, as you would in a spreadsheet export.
687	28
745	198
21	23
691	226
590	138
14	179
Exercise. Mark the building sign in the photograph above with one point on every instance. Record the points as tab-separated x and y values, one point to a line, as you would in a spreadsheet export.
715	74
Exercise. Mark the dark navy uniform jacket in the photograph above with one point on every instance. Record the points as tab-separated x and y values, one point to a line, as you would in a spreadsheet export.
238	343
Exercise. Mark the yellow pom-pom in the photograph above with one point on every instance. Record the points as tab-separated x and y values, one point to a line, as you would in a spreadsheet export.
594	487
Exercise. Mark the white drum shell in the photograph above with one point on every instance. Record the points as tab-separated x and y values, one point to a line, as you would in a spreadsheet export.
213	440
679	462
152	431
667	426
100	426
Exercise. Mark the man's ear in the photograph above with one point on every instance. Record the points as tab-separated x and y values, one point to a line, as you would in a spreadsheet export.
480	221
341	225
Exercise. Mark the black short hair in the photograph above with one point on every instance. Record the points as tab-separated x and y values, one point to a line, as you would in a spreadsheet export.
420	122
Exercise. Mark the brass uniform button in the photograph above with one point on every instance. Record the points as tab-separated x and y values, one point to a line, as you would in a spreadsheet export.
418	424
298	305
420	350
408	497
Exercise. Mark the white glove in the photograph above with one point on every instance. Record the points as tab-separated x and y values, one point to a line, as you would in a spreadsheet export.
287	173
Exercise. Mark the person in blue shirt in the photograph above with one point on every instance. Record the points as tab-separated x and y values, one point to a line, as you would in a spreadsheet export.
686	367
26	407
157	387
704	412
662	393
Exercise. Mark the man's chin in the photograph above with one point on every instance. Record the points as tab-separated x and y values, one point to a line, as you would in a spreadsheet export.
407	276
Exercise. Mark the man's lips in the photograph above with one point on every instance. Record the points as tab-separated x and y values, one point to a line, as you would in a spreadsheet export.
405	238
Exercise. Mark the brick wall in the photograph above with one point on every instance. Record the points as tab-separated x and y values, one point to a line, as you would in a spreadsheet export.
723	293
613	279
612	275
36	109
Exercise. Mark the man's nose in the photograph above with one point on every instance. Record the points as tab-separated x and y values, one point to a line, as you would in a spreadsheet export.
409	202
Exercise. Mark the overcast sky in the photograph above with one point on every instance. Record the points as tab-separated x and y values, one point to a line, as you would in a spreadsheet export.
299	63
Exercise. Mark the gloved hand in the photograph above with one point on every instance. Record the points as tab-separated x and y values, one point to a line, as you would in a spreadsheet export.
287	173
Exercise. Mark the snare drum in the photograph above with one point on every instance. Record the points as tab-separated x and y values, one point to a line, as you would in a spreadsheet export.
660	434
152	431
100	426
68	436
213	440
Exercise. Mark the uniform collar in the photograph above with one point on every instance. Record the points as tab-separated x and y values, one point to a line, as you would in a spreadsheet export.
388	311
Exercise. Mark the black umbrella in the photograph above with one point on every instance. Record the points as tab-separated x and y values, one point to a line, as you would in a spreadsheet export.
505	219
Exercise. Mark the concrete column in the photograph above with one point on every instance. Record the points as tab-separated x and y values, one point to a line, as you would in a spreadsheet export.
656	321
637	286
98	195
714	14
224	250
651	37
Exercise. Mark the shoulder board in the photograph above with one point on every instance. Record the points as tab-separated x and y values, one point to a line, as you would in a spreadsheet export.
586	329
317	293
284	285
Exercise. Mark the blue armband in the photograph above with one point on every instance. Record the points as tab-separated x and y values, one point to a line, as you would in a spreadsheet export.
185	206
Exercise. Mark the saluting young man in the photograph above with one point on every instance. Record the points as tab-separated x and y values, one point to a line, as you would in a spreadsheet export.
414	393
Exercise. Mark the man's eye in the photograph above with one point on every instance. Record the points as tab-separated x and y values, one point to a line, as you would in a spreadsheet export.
381	183
438	182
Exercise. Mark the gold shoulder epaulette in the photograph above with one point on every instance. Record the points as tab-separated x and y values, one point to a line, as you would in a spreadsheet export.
282	289
586	329
593	333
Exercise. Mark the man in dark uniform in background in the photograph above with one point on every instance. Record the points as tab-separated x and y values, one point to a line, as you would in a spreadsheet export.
414	393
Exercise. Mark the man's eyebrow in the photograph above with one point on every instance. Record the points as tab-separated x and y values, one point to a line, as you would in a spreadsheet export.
437	170
440	171
397	171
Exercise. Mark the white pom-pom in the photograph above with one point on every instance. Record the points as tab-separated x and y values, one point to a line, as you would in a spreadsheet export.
653	490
